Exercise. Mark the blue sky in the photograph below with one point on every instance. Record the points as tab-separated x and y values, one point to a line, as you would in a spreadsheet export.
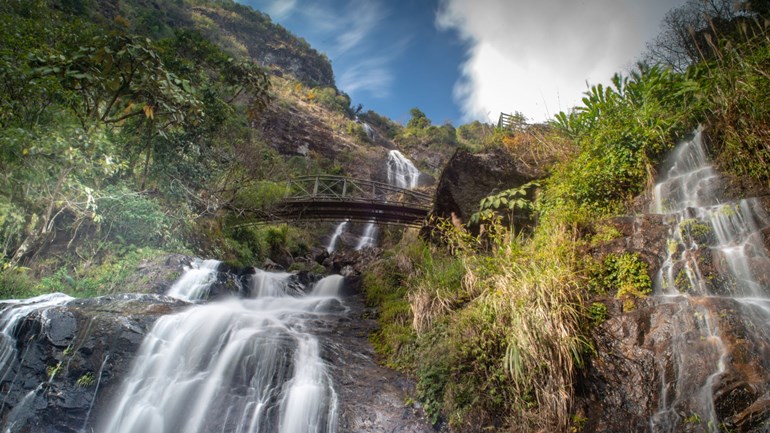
460	60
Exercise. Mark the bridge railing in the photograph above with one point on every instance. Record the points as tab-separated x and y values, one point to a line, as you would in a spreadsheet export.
345	189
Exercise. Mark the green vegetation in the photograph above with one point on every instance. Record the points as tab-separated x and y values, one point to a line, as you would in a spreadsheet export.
495	342
481	313
124	139
625	274
87	380
692	229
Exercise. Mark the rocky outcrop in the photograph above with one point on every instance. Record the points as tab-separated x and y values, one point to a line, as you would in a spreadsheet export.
65	355
469	177
66	362
645	235
239	28
640	377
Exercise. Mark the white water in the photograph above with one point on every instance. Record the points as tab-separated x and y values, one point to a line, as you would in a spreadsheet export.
335	236
195	282
237	366
368	130
13	312
328	286
369	238
401	171
704	229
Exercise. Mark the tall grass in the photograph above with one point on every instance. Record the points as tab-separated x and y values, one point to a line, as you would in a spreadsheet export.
495	333
538	305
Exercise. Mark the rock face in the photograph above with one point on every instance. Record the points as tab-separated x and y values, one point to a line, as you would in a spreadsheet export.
469	177
67	355
66	362
640	381
271	45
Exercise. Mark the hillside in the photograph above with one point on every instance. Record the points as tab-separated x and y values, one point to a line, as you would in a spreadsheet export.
606	271
179	116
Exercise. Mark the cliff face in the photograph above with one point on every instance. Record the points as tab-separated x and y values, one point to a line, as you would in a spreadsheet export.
251	33
241	30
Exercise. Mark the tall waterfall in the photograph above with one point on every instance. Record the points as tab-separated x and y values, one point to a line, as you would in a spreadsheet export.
401	171
235	366
715	251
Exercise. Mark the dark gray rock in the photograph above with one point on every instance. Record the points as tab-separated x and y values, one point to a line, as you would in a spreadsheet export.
469	177
63	352
59	326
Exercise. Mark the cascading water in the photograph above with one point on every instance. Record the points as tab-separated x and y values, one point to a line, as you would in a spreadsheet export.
13	312
369	238
715	253
338	231
401	171
196	281
235	366
368	130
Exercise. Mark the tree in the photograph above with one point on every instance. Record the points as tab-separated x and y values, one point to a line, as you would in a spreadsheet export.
419	120
690	31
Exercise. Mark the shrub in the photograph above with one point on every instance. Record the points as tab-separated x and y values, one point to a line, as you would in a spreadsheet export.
625	273
132	218
15	283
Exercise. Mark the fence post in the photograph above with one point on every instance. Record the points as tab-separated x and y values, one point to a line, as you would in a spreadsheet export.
344	186
315	187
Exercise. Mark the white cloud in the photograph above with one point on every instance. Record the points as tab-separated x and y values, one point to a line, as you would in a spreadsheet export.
372	75
361	18
280	9
535	56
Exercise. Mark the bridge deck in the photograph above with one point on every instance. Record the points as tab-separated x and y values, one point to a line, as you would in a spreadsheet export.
339	198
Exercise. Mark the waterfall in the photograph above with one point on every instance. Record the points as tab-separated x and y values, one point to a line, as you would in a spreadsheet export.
368	130
369	238
195	282
715	251
240	366
335	236
401	171
328	286
12	314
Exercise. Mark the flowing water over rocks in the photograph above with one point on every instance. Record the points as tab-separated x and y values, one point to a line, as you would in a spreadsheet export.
402	173
293	356
696	356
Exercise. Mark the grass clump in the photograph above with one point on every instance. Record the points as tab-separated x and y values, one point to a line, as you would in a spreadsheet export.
494	328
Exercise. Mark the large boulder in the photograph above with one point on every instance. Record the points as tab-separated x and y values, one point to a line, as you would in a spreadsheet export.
470	177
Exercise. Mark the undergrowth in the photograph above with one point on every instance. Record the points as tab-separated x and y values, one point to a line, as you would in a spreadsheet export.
495	328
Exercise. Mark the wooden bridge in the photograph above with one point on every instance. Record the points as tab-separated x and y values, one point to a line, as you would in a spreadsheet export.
338	198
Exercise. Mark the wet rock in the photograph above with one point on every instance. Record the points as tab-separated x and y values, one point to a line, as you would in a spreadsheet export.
62	354
59	326
651	365
372	398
